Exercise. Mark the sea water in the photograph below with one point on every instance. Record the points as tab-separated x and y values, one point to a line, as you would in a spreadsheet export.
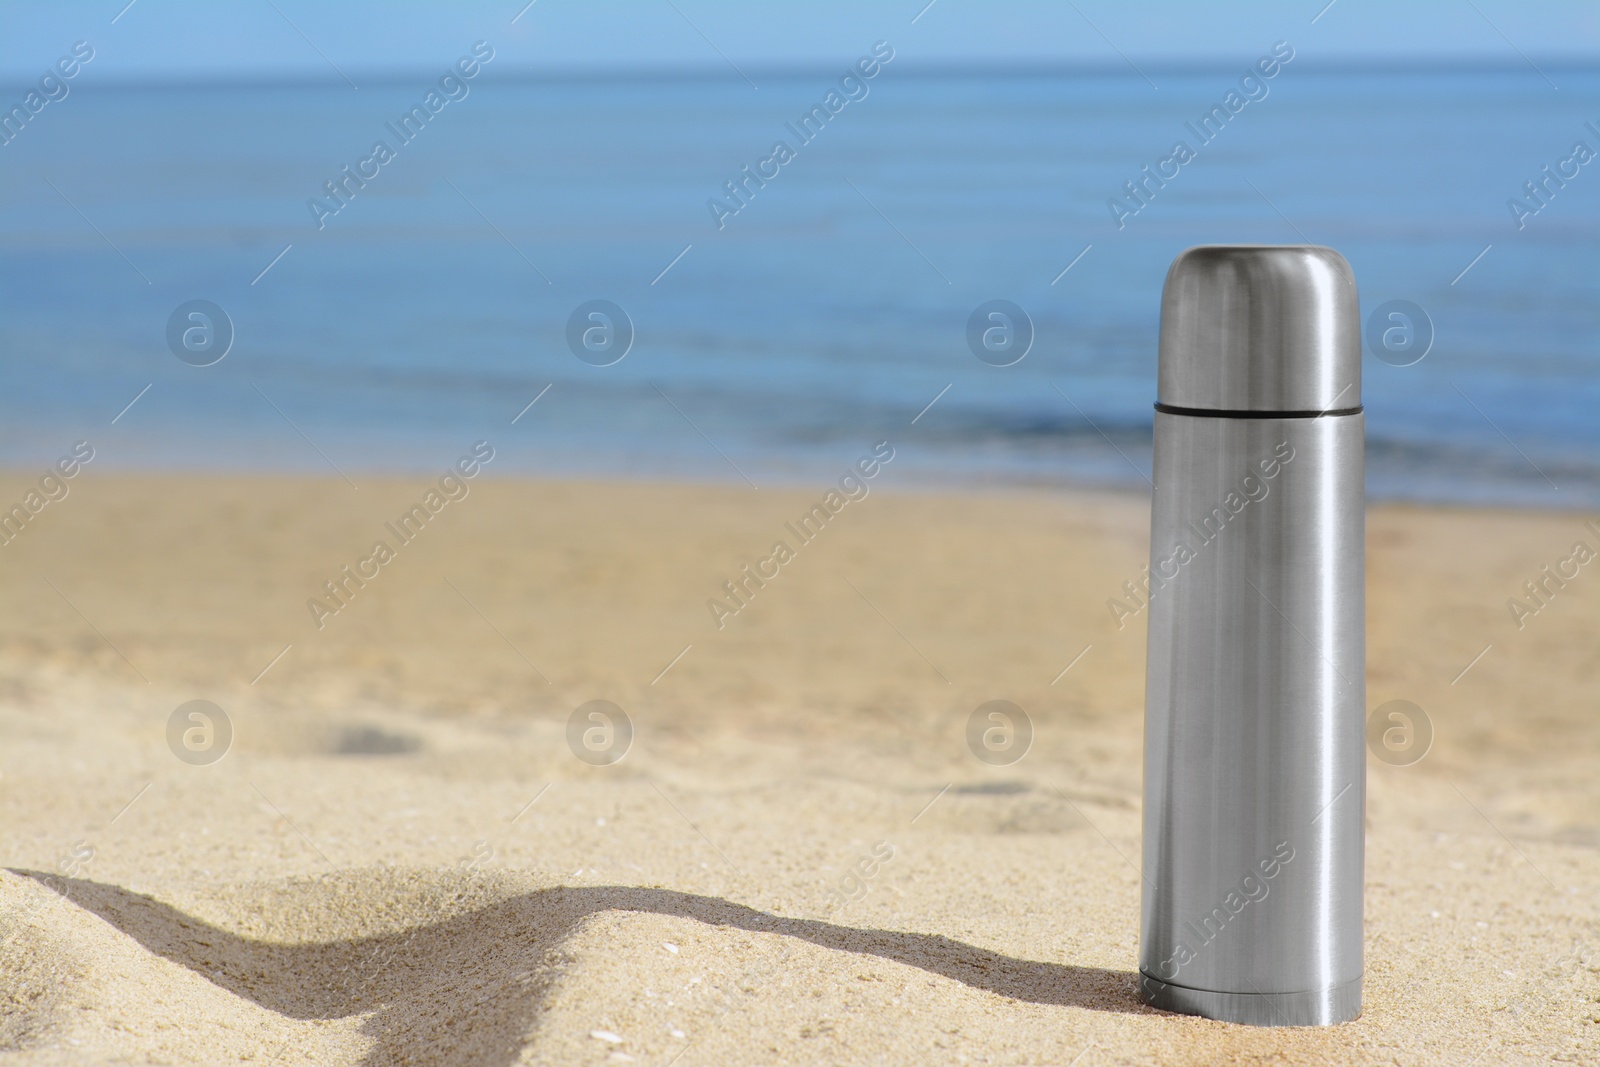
817	311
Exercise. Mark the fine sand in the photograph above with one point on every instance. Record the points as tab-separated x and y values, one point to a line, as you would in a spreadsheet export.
401	860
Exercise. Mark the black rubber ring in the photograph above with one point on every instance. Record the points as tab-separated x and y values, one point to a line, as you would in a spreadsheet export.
1228	413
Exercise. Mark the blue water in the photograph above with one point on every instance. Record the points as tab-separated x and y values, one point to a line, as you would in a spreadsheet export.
825	315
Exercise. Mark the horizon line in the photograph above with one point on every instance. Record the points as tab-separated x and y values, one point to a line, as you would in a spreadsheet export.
995	69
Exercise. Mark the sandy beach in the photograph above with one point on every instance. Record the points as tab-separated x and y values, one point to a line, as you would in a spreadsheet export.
401	859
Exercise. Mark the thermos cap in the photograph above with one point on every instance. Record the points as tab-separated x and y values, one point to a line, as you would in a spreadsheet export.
1270	328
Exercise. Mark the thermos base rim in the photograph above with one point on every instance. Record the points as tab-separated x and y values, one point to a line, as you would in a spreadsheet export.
1317	1007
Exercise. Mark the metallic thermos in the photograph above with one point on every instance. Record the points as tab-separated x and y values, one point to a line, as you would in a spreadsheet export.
1255	771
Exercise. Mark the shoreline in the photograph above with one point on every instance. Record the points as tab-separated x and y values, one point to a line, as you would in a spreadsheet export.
918	482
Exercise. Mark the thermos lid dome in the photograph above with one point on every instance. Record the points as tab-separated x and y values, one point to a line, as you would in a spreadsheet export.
1270	328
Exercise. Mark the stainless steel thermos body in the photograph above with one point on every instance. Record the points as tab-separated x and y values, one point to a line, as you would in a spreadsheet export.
1255	772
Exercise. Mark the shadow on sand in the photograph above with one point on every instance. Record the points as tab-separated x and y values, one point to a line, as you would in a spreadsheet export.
472	985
